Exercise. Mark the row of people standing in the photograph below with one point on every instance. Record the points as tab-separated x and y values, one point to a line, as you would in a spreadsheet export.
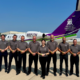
45	52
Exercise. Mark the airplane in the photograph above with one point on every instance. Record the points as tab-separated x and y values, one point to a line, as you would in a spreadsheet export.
28	35
68	28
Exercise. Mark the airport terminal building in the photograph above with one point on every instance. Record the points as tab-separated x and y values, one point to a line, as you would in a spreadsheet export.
12	32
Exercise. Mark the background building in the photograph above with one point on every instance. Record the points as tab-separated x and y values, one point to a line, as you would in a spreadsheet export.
12	32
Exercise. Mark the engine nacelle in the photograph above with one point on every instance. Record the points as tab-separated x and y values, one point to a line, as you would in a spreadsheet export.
43	35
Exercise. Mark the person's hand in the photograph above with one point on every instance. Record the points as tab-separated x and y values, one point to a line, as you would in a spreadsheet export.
22	51
52	52
13	51
2	50
63	53
34	54
74	54
43	55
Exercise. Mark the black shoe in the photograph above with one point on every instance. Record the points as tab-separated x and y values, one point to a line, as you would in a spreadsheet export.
0	69
46	74
25	71
43	77
5	70
36	73
77	75
70	74
55	74
28	72
60	73
8	71
66	74
18	72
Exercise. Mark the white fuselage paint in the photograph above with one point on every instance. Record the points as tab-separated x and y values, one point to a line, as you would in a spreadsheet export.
29	35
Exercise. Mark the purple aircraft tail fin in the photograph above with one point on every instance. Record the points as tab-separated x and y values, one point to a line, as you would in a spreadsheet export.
70	26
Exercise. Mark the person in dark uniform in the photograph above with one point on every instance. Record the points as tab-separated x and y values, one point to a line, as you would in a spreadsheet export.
22	47
13	52
74	59
53	47
43	52
64	49
33	49
3	51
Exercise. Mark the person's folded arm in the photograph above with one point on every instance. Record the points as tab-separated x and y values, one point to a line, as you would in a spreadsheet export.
47	53
67	50
30	51
6	48
26	49
55	49
78	53
39	53
18	50
10	48
71	52
50	51
60	50
78	50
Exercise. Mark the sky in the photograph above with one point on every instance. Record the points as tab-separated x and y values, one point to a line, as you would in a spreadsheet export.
34	15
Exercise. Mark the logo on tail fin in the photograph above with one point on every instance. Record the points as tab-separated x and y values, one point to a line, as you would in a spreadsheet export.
69	26
69	22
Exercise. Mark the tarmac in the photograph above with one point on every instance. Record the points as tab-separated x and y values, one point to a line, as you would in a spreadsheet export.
22	76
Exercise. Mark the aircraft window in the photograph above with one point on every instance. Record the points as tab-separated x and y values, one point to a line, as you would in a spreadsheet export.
10	37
